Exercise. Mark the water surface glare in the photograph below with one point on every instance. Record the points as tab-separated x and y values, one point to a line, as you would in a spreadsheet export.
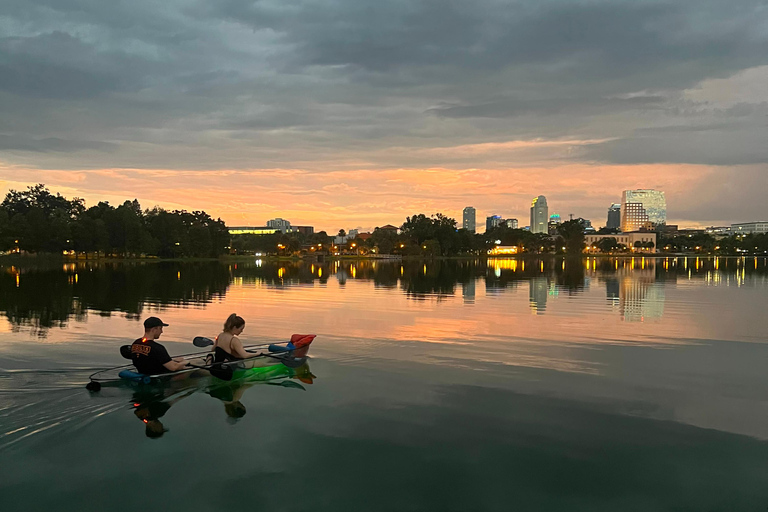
533	384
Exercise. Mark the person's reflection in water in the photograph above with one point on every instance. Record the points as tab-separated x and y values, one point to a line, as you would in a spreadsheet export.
150	406
231	393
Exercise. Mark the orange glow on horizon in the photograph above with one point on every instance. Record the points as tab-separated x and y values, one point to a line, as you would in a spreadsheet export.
328	198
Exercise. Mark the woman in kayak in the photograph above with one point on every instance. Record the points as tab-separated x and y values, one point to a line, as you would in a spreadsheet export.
228	346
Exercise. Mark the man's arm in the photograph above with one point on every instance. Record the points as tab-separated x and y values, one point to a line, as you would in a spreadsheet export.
173	365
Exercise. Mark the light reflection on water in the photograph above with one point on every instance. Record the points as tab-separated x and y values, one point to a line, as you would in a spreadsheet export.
672	349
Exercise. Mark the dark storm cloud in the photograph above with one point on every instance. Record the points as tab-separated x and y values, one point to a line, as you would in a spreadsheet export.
583	106
684	147
611	46
191	83
52	145
54	65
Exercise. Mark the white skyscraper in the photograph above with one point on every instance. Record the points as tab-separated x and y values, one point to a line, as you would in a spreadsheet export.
539	215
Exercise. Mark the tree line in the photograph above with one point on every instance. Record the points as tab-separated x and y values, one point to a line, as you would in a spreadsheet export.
37	221
439	235
419	235
704	243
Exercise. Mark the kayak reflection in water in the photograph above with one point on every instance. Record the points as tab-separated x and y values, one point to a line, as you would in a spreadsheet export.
151	403
230	393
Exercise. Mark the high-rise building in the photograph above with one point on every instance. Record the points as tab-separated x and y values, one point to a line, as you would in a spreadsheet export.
642	208
281	224
511	223
492	221
539	215
469	218
614	217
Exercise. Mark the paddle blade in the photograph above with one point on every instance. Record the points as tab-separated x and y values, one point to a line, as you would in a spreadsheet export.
292	384
202	341
125	351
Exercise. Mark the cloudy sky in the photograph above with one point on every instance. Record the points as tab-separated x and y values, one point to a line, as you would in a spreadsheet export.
357	113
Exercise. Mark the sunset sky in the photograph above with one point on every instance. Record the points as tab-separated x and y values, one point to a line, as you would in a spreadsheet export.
358	113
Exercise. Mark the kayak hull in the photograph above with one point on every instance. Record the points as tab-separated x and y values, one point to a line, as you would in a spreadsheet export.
199	365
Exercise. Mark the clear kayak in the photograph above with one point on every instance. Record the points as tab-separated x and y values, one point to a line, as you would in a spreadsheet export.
200	364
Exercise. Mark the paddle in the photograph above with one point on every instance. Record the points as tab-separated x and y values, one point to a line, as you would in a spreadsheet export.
202	342
288	384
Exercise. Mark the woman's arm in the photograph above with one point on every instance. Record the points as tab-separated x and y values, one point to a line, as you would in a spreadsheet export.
237	348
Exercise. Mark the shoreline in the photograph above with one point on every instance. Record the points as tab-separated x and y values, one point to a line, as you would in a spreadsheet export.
13	259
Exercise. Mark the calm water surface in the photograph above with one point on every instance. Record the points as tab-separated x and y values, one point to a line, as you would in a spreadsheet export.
600	384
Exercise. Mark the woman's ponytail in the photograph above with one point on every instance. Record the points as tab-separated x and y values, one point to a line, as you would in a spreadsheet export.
233	322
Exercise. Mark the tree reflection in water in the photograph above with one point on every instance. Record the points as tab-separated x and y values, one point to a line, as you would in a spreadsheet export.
45	297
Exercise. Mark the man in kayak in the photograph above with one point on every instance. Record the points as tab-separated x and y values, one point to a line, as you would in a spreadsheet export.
149	357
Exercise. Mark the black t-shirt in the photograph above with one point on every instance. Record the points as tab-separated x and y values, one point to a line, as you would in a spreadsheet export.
149	357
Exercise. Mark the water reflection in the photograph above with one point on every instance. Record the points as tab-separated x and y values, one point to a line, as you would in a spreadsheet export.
47	297
468	291
151	403
538	293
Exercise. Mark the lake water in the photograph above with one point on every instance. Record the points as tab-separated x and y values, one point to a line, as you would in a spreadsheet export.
598	384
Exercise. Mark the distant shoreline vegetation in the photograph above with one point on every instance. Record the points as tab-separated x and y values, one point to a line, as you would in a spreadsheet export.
37	222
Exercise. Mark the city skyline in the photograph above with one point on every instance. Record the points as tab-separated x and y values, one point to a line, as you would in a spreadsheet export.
363	113
468	217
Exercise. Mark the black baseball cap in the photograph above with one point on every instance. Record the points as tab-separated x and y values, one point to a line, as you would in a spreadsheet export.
153	321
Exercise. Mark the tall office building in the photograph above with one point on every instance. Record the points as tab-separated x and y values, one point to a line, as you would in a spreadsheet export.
642	208
468	219
511	223
539	215
281	224
492	221
614	217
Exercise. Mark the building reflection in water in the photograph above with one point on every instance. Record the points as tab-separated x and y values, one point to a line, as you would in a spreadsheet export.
612	290
641	298
538	292
44	296
468	291
633	287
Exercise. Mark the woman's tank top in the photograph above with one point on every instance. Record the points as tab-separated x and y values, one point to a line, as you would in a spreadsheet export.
220	355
